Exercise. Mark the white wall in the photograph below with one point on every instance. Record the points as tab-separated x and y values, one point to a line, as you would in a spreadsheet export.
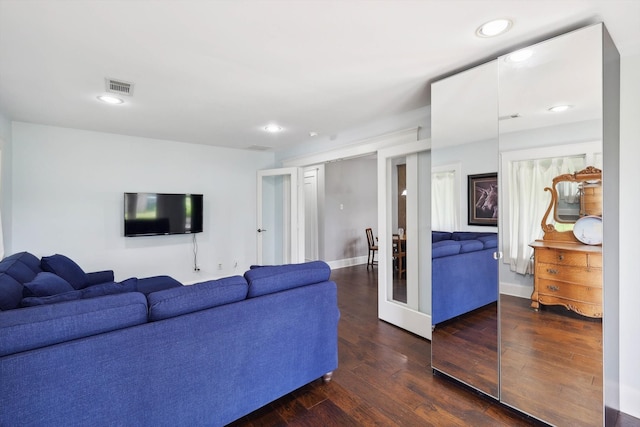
68	190
5	183
629	235
350	184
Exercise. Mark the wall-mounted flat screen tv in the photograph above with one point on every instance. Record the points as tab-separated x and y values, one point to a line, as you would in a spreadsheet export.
152	214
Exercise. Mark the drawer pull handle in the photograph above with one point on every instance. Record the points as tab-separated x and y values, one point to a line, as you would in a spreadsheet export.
553	288
560	257
552	271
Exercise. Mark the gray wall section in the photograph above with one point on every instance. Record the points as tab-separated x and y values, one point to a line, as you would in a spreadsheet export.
352	185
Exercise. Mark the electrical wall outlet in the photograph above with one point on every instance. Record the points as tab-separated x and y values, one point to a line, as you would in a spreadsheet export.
220	266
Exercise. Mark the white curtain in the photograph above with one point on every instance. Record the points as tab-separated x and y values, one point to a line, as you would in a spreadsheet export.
444	213
528	202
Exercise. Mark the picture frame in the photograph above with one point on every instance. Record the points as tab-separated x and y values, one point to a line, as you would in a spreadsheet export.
482	203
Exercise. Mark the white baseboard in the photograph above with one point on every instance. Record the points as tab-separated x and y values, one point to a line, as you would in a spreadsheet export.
347	262
516	290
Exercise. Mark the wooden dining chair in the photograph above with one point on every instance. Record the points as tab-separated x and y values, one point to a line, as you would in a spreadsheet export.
373	248
399	255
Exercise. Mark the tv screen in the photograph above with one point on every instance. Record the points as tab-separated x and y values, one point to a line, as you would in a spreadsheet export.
151	214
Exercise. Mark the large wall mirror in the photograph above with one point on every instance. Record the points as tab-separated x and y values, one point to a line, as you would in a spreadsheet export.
545	118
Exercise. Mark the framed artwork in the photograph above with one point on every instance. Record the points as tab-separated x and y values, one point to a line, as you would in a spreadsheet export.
483	199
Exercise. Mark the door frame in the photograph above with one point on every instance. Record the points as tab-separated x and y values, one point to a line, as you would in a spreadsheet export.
293	208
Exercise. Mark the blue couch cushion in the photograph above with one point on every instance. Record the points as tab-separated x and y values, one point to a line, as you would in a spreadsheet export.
275	278
15	270
469	235
470	246
10	292
201	296
95	291
51	299
34	327
445	248
437	236
19	270
65	268
489	241
110	288
46	284
157	283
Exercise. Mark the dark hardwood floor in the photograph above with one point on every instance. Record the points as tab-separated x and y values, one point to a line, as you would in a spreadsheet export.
384	377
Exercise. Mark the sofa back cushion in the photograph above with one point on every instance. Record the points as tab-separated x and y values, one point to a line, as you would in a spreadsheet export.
65	268
437	236
445	248
34	327
109	288
201	296
46	284
470	246
489	241
470	235
15	271
275	278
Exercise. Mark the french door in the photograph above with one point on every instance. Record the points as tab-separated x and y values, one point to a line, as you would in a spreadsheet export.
280	218
410	309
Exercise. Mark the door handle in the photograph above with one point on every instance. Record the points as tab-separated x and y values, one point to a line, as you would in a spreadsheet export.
260	230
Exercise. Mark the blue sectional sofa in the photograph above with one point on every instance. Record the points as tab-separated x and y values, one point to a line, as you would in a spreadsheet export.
151	352
464	273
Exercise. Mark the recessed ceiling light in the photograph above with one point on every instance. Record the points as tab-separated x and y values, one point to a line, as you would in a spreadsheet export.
110	99
559	108
519	55
273	128
494	28
313	133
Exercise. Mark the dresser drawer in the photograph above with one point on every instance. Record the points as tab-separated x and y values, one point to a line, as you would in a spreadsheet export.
567	273
572	258
571	291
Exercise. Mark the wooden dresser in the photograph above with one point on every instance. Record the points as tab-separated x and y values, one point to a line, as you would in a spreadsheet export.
566	271
568	274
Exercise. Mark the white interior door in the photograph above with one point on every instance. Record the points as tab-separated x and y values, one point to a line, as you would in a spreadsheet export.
279	218
311	214
414	314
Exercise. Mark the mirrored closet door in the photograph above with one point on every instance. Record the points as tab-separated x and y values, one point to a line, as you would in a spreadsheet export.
551	146
464	269
554	108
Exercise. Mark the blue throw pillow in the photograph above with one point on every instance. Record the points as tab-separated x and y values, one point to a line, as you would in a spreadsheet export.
65	268
46	284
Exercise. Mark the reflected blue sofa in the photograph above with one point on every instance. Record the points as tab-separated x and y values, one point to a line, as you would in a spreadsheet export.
464	274
173	355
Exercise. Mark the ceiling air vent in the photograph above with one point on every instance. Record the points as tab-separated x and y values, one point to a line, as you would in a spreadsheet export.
259	148
119	87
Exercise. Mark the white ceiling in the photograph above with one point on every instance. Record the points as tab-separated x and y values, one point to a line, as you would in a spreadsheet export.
217	72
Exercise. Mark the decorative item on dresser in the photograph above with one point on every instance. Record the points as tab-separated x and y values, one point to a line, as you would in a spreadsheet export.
568	272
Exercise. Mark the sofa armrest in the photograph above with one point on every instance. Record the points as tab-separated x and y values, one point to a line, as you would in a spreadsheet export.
97	277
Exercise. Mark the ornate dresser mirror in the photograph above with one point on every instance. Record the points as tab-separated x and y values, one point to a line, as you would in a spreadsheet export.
573	196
